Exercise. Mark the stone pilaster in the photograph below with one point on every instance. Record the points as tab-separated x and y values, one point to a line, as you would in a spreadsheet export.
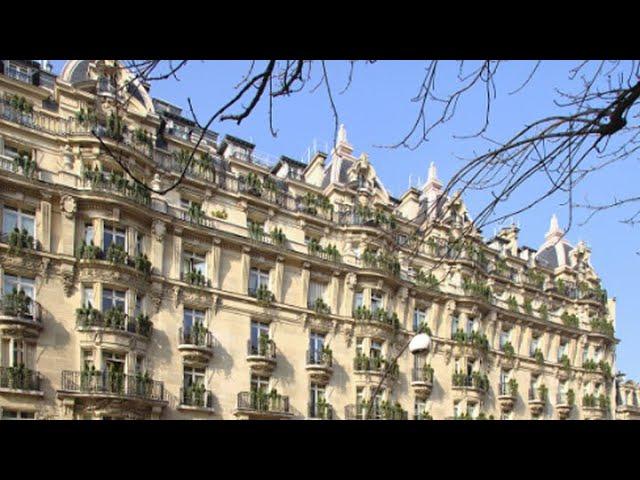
278	279
213	264
334	290
304	285
158	234
245	262
68	207
43	220
176	254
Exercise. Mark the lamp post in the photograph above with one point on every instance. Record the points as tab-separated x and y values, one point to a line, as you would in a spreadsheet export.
419	343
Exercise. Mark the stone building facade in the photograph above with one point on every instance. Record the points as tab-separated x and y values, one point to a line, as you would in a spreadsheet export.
261	288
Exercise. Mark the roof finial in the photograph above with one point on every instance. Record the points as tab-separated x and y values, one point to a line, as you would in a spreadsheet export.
433	174
555	231
342	134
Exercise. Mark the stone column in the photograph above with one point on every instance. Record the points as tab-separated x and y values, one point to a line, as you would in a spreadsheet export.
334	290
214	263
69	207
44	223
245	266
176	254
518	336
304	285
351	281
130	234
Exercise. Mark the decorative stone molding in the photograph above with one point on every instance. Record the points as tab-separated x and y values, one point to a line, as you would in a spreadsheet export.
351	280
68	206
159	229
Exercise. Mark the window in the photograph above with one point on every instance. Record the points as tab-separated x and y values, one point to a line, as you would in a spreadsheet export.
316	345
316	395
358	299
114	235
359	400
258	278
597	354
585	354
88	233
454	324
113	362
376	301
317	290
419	318
473	409
190	318
113	299
87	359
139	307
359	342
17	283
562	349
192	262
375	351
457	411
535	341
258	329
87	296
193	376
139	243
505	336
419	408
504	380
18	72
471	325
259	383
139	365
17	415
13	218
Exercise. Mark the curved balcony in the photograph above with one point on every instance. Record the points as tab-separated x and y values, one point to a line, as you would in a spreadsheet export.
20	380
595	407
564	405
195	344
473	387
320	411
262	356
537	400
196	399
115	326
114	267
422	381
360	411
20	315
372	369
257	404
507	396
20	240
126	392
319	366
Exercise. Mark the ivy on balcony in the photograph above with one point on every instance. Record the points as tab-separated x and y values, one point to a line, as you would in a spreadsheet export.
538	356
310	203
320	307
512	304
508	350
477	289
24	164
601	325
425	280
20	240
278	236
570	320
475	339
382	260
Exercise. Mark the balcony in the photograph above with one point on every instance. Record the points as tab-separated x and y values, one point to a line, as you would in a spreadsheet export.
379	411
262	356
115	265
20	314
320	365
473	387
376	322
537	400
114	321
195	278
195	344
564	404
262	405
19	241
371	369
320	411
595	407
196	398
422	381
262	294
130	391
508	395
20	380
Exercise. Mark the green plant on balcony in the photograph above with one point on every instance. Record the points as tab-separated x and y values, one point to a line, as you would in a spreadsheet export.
195	394
480	381
116	254
512	386
96	176
571	397
323	409
424	416
24	164
427	373
590	365
459	336
182	157
256	231
264	342
424	328
538	356
21	104
369	258
603	402
195	213
561	287
196	277
432	245
264	295
309	203
543	310
332	252
140	135
88	316
87	376
566	363
512	304
278	236
458	379
253	184
535	278
479	341
314	247
115	318
144	384
362	313
361	362
17	303
527	307
222	214
605	368
86	117
570	320
115	380
320	307
198	333
19	240
115	127
508	350
142	263
601	325
269	185
143	325
501	266
89	251
18	376
589	400
428	281
477	289
542	392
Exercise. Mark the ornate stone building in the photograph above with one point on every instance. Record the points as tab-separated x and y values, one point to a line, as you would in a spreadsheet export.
259	288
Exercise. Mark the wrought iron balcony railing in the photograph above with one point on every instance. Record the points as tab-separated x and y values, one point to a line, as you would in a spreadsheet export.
112	383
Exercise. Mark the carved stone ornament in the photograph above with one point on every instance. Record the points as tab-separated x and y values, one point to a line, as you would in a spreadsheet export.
159	229
352	280
68	206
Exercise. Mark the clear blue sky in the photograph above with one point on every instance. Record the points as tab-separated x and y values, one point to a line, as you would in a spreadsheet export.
376	110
